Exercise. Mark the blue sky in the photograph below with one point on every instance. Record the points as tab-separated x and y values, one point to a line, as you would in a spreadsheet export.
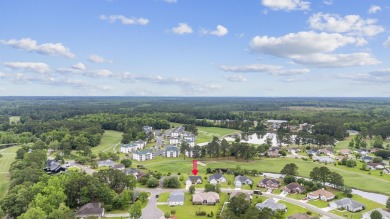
195	48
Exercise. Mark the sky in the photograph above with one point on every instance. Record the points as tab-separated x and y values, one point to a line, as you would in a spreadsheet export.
256	48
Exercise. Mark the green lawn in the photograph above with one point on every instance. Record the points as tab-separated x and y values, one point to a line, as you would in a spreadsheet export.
318	203
163	197
9	155
109	140
352	177
188	210
293	209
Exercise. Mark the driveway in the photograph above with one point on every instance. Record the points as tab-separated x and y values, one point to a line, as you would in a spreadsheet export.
151	211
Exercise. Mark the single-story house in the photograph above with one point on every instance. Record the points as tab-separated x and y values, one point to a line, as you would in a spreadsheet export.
367	159
348	204
273	153
327	151
207	198
321	194
269	183
375	166
131	171
176	198
194	180
118	166
385	214
172	151
236	193
312	152
345	152
242	180
143	155
90	210
271	204
174	140
324	159
217	178
53	167
106	163
362	152
294	188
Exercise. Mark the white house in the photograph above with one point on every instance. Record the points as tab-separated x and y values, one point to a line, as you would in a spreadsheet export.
348	204
176	198
128	148
217	178
174	140
143	155
172	151
189	136
193	180
191	143
242	180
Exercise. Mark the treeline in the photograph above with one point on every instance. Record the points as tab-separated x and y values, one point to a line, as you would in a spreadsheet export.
34	194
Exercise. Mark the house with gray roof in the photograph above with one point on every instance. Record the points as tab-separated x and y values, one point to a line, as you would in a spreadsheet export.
118	167
216	178
172	151
206	198
143	155
348	204
131	171
269	183
271	204
324	159
106	163
239	181
176	198
294	188
90	210
133	146
194	180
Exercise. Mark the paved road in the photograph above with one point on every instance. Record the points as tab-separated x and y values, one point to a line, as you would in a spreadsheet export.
83	167
151	211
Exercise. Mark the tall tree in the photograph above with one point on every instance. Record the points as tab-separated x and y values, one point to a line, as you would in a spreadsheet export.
224	147
375	215
135	211
184	147
290	169
336	180
238	204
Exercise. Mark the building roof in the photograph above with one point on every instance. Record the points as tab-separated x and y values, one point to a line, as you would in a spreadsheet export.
216	176
139	142
242	179
349	202
267	180
276	121
106	163
293	186
208	196
322	192
140	152
131	145
271	204
299	216
172	148
176	196
129	171
90	209
194	178
118	166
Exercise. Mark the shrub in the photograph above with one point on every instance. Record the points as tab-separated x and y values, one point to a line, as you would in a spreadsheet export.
200	213
308	212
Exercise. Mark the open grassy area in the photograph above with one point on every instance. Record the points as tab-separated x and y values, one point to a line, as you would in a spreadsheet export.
293	209
318	203
163	197
9	155
109	140
188	210
14	119
352	178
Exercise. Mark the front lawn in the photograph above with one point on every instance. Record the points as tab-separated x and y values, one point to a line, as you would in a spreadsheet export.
370	205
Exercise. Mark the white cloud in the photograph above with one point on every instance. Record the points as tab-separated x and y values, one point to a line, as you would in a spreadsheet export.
187	84
182	28
300	43
328	2
337	60
387	42
374	9
350	24
263	68
286	5
219	31
124	20
313	49
170	1
79	66
30	45
97	59
29	66
381	76
295	80
236	78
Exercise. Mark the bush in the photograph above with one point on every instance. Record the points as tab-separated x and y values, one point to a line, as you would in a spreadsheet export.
200	213
179	174
181	178
308	212
171	182
349	195
152	182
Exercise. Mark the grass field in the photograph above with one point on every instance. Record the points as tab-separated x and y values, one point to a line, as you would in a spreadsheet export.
9	155
368	203
188	210
14	119
109	140
352	177
293	209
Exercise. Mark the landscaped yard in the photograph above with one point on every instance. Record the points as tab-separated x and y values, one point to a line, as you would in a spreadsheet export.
368	203
293	209
9	155
109	140
319	203
188	210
